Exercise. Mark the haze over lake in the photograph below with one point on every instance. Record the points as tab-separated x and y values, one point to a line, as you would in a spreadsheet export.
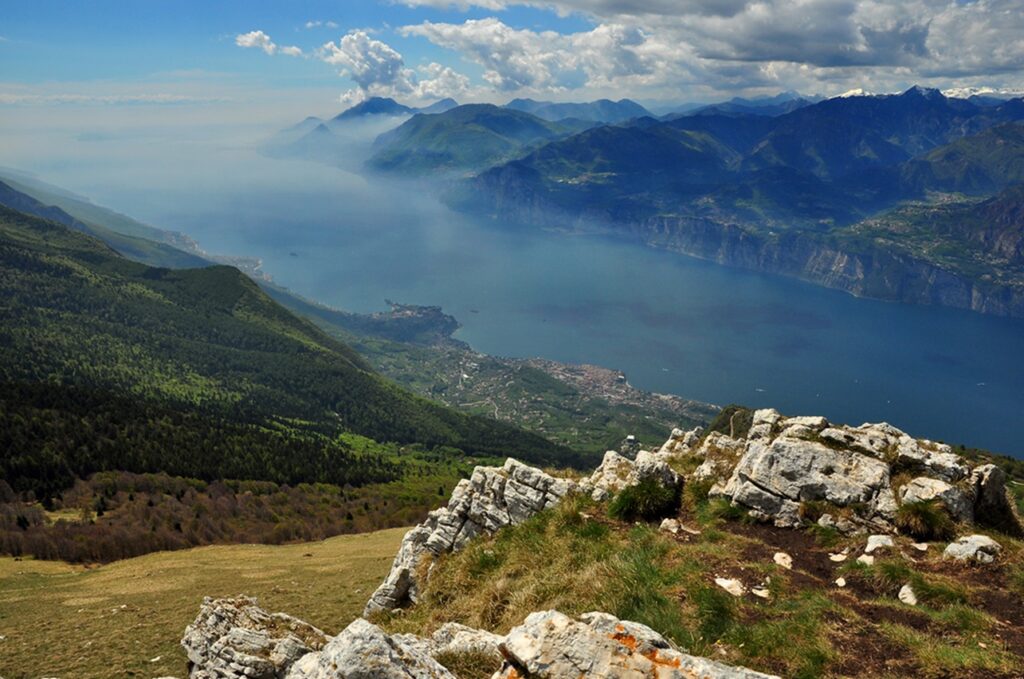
672	323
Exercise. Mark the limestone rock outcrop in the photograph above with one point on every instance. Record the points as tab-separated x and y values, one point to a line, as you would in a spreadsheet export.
785	462
924	489
453	638
493	497
551	645
681	441
977	548
992	504
617	472
365	651
775	475
236	638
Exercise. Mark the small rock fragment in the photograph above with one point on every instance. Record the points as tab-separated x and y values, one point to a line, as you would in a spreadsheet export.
784	560
866	559
840	582
761	592
731	585
876	542
837	557
907	595
920	546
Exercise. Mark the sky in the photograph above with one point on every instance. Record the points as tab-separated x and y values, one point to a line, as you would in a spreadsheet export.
285	57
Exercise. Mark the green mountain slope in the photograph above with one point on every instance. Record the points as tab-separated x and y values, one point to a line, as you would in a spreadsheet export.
186	352
136	241
980	240
978	165
96	216
602	110
465	138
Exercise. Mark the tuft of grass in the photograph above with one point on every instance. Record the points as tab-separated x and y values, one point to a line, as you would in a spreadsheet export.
962	618
812	510
793	636
889	575
646	501
719	509
695	493
476	665
942	657
825	536
642	585
482	560
1016	580
928	521
716	612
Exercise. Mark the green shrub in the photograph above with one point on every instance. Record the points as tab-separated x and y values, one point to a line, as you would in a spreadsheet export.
646	501
925	521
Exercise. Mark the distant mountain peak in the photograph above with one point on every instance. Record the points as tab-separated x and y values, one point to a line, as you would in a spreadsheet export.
855	92
439	106
925	92
375	106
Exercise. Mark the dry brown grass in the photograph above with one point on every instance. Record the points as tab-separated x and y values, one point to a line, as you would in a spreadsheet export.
125	619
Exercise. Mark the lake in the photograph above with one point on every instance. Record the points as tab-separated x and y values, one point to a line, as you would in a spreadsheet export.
672	323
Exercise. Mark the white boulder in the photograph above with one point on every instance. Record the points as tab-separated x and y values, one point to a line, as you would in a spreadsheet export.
365	651
979	548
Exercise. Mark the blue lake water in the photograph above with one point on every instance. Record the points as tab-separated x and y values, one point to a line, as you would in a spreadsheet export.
672	323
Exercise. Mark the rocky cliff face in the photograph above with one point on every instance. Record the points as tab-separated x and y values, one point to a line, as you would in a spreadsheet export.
873	272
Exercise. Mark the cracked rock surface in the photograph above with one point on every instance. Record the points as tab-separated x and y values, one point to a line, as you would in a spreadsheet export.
493	497
236	638
784	462
551	645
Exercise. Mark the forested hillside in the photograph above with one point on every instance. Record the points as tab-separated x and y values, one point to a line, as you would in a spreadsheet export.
109	364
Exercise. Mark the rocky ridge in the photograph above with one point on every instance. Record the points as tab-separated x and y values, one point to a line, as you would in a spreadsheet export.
547	645
856	478
859	476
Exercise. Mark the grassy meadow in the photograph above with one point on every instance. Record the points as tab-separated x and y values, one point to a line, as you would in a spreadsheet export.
124	619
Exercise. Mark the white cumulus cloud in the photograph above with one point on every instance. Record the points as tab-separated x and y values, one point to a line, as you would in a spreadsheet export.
379	70
714	46
260	40
320	23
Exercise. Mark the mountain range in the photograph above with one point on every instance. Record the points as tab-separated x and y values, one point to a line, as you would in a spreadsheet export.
779	184
465	138
782	193
600	111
